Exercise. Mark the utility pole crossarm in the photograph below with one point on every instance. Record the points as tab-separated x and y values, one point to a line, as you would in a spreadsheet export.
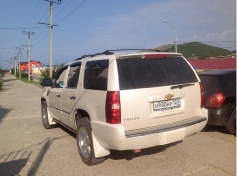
59	1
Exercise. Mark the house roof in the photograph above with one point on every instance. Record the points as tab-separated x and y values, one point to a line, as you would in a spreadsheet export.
216	63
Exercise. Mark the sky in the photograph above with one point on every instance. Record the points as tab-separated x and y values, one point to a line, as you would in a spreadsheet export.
92	26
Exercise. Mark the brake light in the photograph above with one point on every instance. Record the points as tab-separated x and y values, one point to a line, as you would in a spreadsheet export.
202	94
151	56
215	100
112	107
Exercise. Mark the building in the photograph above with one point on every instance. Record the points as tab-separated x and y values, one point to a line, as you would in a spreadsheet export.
214	63
24	65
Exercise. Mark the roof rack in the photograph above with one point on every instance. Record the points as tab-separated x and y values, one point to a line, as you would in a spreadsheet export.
140	50
92	55
111	52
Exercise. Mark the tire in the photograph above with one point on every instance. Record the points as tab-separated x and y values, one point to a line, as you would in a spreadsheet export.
85	143
44	115
231	126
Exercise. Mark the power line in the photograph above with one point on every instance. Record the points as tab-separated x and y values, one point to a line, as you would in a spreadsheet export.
34	13
70	13
6	28
9	48
58	12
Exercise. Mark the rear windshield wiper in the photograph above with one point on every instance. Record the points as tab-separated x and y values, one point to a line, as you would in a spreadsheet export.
181	86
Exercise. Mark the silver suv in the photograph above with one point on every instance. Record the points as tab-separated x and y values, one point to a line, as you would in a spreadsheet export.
124	101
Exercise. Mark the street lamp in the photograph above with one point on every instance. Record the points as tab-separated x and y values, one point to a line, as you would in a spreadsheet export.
176	49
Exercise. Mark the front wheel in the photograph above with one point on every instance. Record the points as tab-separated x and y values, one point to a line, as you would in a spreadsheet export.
44	115
85	142
231	126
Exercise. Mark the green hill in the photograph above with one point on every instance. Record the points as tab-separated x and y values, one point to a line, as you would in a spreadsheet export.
196	49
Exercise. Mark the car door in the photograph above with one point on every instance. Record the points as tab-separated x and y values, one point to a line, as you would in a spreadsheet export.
55	94
71	94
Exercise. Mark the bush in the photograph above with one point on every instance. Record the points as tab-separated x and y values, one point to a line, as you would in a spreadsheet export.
45	72
1	82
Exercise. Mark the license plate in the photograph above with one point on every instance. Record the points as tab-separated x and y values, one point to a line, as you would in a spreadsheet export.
166	105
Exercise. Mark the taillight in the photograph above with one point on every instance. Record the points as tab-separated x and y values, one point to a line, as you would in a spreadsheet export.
112	107
215	100
151	56
202	94
160	55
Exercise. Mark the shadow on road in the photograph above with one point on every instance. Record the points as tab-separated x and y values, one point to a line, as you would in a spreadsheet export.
12	163
39	158
210	128
9	80
129	155
3	112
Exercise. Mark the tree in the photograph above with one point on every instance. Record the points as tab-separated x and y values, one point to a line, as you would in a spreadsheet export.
45	72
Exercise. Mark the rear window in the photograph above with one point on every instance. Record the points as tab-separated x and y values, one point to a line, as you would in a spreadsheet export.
210	83
135	73
229	82
96	75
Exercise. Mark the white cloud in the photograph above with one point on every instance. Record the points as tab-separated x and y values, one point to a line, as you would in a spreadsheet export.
227	34
194	20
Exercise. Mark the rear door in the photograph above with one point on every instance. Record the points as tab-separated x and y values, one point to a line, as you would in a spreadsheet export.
157	90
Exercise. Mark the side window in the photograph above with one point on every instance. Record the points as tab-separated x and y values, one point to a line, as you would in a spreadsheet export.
59	81
96	75
73	75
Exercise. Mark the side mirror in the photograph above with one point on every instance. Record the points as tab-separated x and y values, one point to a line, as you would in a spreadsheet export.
46	82
61	84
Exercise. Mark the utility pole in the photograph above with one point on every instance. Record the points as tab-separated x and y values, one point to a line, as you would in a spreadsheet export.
51	25
11	64
15	58
19	61
15	65
28	51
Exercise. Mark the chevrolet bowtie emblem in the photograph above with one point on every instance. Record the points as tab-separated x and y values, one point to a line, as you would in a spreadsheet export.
169	96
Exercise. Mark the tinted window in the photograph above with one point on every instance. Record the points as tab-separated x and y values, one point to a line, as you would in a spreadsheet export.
96	75
137	73
210	83
73	75
229	82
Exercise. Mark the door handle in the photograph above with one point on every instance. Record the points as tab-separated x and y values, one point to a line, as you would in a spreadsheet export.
58	95
72	97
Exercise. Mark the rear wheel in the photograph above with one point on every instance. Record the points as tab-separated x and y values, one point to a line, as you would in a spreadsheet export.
85	142
44	115
231	126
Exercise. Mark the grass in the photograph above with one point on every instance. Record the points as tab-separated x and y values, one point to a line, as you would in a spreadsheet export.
1	82
24	79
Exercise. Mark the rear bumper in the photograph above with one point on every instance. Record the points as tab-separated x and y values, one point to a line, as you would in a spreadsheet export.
219	116
114	137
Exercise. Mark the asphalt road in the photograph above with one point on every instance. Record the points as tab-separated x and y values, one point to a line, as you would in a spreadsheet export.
27	149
